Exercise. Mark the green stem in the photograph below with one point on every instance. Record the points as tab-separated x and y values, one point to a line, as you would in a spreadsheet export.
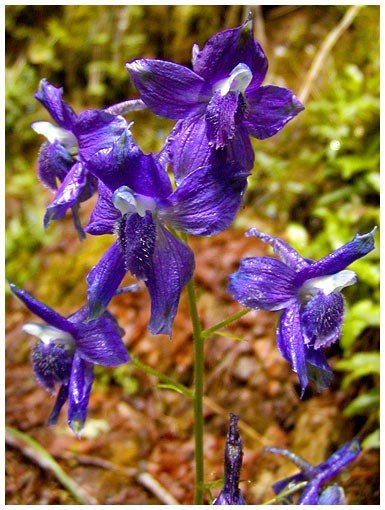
198	392
208	332
168	380
287	492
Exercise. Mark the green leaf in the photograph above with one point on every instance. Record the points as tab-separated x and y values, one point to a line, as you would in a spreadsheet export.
170	386
360	365
363	403
361	315
372	441
229	335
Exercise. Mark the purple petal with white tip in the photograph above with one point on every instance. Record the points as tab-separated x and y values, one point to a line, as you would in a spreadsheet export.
225	50
82	377
170	90
263	283
270	108
51	98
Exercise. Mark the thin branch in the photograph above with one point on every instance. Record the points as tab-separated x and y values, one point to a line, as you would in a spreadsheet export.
34	451
325	48
156	488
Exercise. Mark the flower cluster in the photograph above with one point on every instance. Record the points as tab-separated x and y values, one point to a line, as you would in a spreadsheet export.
67	350
218	105
307	293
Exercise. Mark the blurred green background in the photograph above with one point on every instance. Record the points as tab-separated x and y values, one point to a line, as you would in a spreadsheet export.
316	183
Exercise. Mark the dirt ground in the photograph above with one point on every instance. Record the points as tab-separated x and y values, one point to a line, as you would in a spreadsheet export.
134	427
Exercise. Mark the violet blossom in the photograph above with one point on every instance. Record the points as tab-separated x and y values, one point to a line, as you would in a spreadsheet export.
318	475
307	293
231	494
67	350
135	202
70	144
219	103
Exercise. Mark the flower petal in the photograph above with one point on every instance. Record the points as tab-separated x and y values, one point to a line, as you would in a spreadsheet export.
82	377
284	484
53	163
172	268
51	365
51	98
136	238
187	148
99	342
223	115
124	164
263	283
68	193
170	90
322	319
318	369
311	492
290	342
61	399
284	251
43	311
206	201
104	279
225	50
340	258
104	214
339	460
97	130
270	108
333	495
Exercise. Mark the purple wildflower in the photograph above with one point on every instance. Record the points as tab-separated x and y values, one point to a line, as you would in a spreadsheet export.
67	351
69	146
231	494
307	293
318	475
219	103
135	202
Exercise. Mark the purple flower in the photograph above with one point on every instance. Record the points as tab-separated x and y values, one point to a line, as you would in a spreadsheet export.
69	146
67	351
219	103
135	202
231	494
318	475
308	294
